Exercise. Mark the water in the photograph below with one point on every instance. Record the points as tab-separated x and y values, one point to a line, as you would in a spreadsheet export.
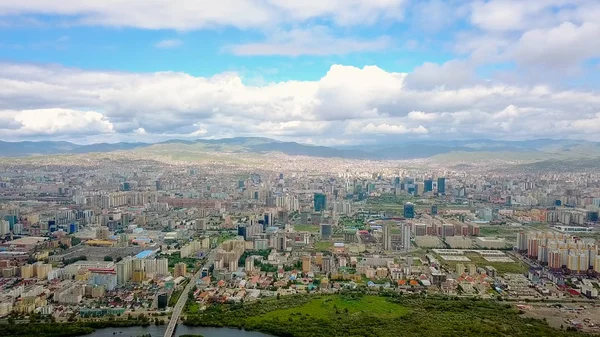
159	331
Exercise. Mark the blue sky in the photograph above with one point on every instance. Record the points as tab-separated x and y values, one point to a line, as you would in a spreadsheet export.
206	52
334	72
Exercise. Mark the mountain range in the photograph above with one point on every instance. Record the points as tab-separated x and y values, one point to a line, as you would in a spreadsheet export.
534	150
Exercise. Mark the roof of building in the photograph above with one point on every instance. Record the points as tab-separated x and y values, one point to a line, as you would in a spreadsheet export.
144	254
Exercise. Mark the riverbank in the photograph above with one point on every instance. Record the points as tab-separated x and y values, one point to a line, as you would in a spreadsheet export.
159	331
67	329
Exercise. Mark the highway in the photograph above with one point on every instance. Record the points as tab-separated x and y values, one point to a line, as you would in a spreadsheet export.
176	313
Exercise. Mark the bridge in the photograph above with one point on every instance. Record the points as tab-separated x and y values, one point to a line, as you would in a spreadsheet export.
176	314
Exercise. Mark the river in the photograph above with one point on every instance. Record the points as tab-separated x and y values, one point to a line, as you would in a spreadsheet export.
159	331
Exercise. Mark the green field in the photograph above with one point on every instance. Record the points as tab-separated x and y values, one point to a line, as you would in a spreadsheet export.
307	228
498	230
327	306
322	245
356	314
516	267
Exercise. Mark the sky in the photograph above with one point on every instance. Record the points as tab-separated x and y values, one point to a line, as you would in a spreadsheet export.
332	72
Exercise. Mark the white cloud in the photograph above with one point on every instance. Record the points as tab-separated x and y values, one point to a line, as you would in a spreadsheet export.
422	116
452	74
166	44
385	129
317	40
55	121
517	15
563	46
349	104
188	15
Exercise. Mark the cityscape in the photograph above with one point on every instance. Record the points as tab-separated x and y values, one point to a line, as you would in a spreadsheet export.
165	241
300	168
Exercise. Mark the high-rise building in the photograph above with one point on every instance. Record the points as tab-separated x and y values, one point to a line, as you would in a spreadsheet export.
592	216
441	185
281	241
320	202
124	271
269	219
162	267
420	229
27	271
448	230
427	185
328	264
242	231
326	231
306	263
522	241
249	265
533	247
180	269
387	237
554	260
139	276
4	227
406	236
102	233
409	210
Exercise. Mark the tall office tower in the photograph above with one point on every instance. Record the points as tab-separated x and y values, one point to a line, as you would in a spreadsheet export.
387	236
320	202
269	219
434	210
281	242
326	231
409	210
427	185
406	236
441	185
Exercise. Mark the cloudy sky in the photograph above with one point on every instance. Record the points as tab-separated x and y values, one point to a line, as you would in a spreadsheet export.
314	71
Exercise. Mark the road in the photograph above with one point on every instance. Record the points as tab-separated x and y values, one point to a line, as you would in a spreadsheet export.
176	314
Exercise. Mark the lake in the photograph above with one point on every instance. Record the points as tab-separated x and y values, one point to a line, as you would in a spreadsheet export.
159	331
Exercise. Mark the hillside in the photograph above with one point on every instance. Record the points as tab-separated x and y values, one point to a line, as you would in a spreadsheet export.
452	151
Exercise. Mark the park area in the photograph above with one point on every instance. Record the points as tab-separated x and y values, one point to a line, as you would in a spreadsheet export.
513	267
355	314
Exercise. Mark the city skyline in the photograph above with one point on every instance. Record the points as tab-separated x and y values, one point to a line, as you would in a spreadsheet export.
330	73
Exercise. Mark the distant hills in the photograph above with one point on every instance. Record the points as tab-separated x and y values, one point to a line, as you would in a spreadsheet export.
451	150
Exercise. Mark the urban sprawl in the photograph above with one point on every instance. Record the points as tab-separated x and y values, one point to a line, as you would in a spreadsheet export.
120	238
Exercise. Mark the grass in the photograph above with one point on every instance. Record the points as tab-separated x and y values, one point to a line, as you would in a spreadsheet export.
501	267
322	245
328	306
361	315
192	307
497	230
307	228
